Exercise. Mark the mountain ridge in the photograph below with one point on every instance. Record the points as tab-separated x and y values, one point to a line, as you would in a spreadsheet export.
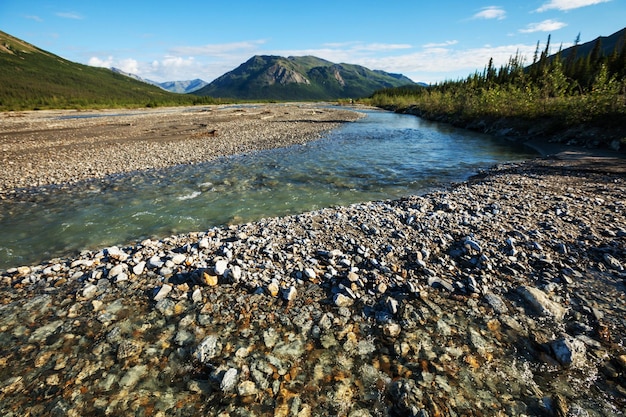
273	77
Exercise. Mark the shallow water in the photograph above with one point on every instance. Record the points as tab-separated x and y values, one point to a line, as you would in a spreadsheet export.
381	156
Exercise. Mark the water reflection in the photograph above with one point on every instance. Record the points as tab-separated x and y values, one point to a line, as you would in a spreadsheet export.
384	155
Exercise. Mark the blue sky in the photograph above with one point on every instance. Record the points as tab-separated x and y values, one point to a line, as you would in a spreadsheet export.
427	41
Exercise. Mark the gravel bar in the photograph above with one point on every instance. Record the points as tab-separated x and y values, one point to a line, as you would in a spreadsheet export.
56	147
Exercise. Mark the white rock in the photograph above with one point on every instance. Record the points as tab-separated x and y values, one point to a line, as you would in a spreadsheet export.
221	266
179	258
203	243
197	295
209	348
309	273
163	292
234	273
229	380
90	291
117	270
116	253
139	268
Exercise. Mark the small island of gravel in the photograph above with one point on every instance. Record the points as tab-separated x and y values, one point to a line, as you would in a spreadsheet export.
502	295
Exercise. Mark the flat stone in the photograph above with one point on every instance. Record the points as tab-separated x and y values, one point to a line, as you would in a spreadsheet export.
162	292
541	303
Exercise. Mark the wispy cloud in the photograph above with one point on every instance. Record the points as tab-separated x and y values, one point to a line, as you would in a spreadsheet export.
217	49
564	5
70	15
440	45
545	26
33	17
491	12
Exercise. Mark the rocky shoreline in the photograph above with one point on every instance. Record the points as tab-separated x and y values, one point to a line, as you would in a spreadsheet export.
502	295
40	148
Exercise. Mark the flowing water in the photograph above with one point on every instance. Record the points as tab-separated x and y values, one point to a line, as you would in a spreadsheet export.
381	156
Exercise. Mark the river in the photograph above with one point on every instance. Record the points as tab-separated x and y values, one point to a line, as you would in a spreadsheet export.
381	156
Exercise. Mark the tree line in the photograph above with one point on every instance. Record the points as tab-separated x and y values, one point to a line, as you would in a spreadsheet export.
566	88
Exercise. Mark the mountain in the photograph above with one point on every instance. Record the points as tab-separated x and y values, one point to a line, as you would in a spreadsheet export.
265	77
607	45
31	78
183	87
180	87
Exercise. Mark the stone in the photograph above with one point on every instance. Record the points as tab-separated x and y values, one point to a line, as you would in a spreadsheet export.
139	268
309	273
229	380
90	291
541	303
437	282
179	258
494	300
209	279
220	267
273	288
234	273
612	262
116	253
569	351
117	270
208	349
289	294
247	388
392	329
196	296
341	300
161	293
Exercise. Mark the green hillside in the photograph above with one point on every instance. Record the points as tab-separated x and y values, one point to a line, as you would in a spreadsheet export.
31	78
299	78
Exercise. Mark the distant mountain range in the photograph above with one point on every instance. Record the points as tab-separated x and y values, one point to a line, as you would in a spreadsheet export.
265	77
180	87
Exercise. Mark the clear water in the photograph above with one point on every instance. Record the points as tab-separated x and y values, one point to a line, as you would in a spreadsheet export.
381	156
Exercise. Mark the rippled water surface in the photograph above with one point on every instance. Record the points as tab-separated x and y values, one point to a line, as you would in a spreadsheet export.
381	156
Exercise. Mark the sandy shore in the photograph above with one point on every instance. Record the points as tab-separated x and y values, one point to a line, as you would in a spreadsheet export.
502	295
53	147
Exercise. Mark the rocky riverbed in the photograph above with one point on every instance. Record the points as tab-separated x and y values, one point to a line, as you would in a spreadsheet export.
59	147
503	295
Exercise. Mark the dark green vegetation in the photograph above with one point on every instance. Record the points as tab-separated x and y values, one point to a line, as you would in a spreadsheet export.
31	78
299	78
576	96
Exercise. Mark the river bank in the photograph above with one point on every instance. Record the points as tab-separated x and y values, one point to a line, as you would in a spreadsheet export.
501	295
41	148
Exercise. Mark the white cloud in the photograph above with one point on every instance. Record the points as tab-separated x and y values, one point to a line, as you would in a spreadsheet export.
440	45
564	5
70	15
95	61
545	26
491	12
